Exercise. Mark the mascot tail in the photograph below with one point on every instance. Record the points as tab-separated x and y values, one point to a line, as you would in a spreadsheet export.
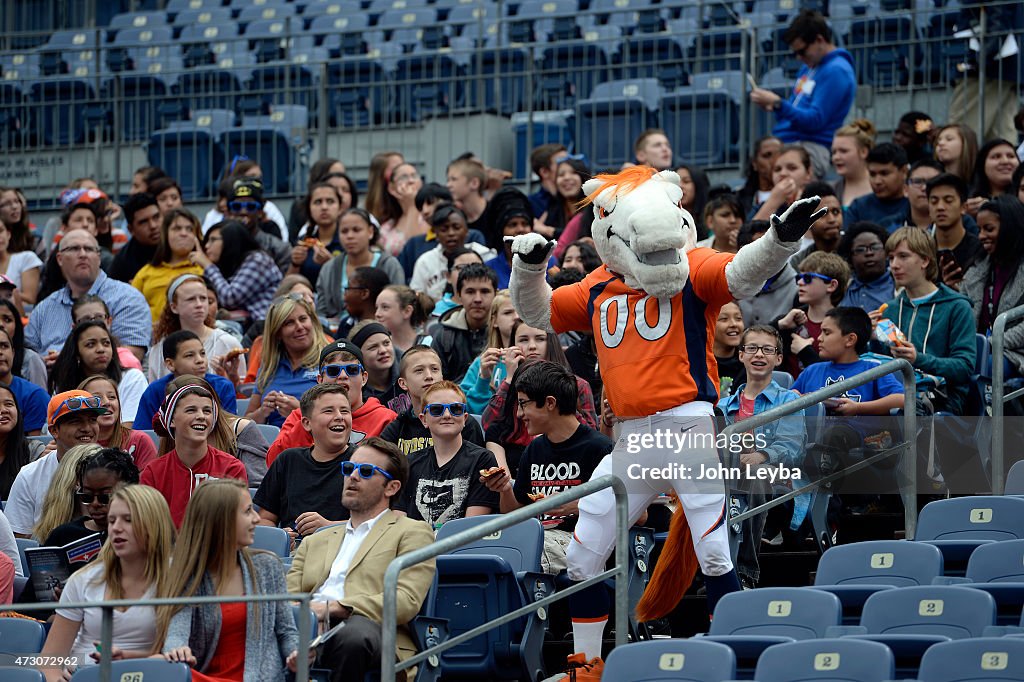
674	573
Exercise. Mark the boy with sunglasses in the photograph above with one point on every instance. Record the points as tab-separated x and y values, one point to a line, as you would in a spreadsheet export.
444	479
340	363
302	489
419	369
245	204
760	351
821	284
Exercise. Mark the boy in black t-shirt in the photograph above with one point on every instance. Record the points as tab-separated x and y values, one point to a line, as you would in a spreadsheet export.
419	369
444	479
562	455
302	489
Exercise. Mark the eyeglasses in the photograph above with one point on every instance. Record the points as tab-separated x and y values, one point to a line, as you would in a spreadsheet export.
569	157
751	349
98	317
289	297
77	403
437	409
334	371
917	182
523	403
808	277
87	498
80	249
355	288
244	206
408	177
870	248
365	470
801	53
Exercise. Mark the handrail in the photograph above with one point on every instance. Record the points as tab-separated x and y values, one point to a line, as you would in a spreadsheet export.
998	398
108	606
388	665
908	465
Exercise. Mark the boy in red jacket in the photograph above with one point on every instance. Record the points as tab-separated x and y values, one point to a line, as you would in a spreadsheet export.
340	363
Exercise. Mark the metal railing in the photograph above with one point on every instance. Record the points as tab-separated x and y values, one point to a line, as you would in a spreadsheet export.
999	397
908	464
107	628
388	665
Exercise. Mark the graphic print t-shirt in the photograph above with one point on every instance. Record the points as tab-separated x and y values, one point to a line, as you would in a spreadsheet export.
438	494
547	468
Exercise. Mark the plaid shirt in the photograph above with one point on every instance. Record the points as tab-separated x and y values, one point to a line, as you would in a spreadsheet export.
252	287
585	413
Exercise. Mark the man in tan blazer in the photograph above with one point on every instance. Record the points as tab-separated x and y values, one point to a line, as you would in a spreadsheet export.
343	565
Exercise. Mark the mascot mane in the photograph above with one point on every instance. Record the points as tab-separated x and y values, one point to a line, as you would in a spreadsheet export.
624	182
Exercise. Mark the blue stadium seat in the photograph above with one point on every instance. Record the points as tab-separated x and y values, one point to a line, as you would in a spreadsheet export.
272	539
161	36
140	94
496	80
702	119
783	379
406	18
179	6
471	14
205	33
137	669
381	6
274	141
15	113
532	130
57	108
910	619
359	91
136	20
319	8
572	69
958	525
90	39
535	19
341	34
685	660
613	116
648	55
718	50
427	84
1015	479
9	674
828	660
291	82
984	659
210	15
276	11
269	431
750	621
997	568
855	571
191	151
218	86
495	575
21	636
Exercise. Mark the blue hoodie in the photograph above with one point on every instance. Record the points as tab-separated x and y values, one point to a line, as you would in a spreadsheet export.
816	115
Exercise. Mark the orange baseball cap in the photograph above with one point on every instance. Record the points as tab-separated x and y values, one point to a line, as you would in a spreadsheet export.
72	402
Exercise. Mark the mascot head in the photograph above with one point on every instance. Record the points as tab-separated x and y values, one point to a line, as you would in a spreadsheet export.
641	230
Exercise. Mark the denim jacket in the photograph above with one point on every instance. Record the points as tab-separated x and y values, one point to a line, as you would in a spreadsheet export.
786	436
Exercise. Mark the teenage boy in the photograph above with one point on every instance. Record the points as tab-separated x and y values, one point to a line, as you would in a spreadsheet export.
887	203
937	321
821	285
921	172
545	166
723	217
420	369
461	333
844	336
562	455
302	489
826	230
760	351
444	479
652	148
466	181
863	247
143	215
183	354
340	363
449	226
957	249
71	417
246	204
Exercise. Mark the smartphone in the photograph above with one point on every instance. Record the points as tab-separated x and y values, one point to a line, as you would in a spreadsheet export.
946	254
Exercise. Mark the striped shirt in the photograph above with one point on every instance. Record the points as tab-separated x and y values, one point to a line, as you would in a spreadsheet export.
49	325
654	354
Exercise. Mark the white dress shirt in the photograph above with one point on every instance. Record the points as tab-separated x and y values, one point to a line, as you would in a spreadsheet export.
333	588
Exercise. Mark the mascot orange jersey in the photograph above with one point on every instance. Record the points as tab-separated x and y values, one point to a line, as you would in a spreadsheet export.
654	353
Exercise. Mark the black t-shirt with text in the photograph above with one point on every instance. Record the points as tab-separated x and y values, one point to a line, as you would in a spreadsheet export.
296	483
548	468
438	494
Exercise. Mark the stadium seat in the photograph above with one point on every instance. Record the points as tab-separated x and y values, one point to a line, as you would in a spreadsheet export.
136	20
276	11
910	619
496	80
396	19
427	84
613	116
535	19
783	379
9	674
718	50
702	120
191	150
572	68
272	539
997	568
359	91
57	105
21	636
137	669
684	660
958	525
140	92
750	621
649	55
210	15
268	140
495	575
269	431
855	571
984	659
1015	479
179	6
828	660
23	544
539	128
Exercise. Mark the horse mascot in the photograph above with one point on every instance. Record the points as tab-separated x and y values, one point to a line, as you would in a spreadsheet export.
652	307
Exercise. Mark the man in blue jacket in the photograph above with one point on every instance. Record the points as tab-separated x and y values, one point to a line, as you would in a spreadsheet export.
824	91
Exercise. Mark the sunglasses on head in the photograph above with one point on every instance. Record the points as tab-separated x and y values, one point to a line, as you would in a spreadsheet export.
77	403
808	277
437	409
87	498
365	470
334	371
244	206
289	297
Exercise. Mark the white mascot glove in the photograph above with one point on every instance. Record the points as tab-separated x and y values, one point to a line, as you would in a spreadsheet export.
533	250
